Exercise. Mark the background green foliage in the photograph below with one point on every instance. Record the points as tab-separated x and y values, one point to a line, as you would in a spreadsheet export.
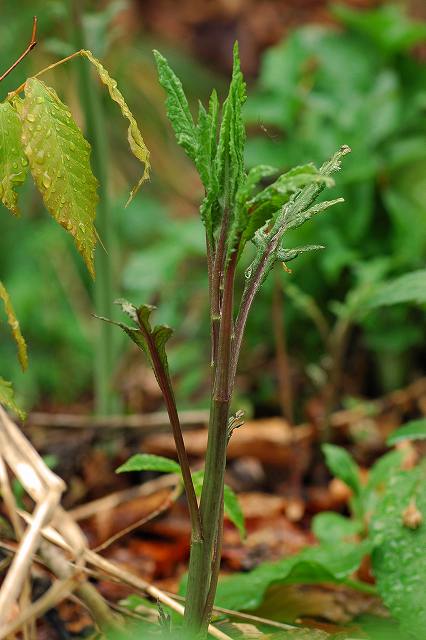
358	83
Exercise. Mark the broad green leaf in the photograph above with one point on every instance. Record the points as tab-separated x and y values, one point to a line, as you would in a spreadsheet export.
232	507
411	287
14	325
149	462
177	107
59	162
329	526
134	136
413	430
318	564
7	398
380	473
399	560
384	468
343	466
13	163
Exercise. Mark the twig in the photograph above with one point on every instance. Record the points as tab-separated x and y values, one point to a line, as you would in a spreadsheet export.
166	504
145	422
29	48
48	600
110	502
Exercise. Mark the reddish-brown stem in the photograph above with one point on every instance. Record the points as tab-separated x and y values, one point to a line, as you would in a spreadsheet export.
166	388
29	48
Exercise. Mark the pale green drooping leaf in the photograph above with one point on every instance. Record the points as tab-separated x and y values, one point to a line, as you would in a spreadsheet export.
59	159
398	532
149	462
134	136
177	107
413	430
411	287
148	339
14	325
231	505
7	398
13	163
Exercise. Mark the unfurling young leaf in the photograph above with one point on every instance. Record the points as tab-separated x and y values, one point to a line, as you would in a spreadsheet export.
14	325
59	162
7	398
148	339
134	136
13	163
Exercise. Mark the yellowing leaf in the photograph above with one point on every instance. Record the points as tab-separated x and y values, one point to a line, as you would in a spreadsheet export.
7	398
13	163
59	161
14	325
134	136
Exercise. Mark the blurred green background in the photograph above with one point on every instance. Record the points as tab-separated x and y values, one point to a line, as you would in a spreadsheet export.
319	76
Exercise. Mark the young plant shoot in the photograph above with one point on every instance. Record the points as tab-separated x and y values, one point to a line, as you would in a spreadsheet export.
236	210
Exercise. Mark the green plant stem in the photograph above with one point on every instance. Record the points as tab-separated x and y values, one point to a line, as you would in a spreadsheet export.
201	588
103	288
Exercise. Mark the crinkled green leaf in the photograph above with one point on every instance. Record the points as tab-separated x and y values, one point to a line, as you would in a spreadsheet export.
134	136
268	202
14	325
177	107
413	430
329	526
399	559
343	466
297	218
13	163
149	462
411	287
231	505
59	161
318	564
7	398
207	130
230	154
